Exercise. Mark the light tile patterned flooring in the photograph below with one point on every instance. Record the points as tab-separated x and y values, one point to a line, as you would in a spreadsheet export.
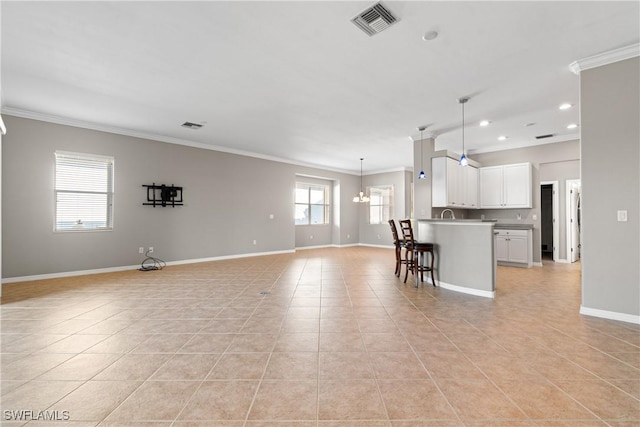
337	341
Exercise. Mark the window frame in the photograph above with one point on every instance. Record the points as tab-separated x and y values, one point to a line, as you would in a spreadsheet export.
109	161
381	207
326	205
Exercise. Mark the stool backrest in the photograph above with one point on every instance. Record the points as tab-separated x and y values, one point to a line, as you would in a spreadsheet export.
394	232
407	231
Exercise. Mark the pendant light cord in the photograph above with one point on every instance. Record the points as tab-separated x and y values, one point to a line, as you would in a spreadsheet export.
463	127
361	159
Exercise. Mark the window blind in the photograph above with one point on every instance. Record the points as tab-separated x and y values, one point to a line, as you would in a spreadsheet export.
83	192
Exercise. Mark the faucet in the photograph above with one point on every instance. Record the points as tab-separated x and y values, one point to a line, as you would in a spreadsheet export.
453	216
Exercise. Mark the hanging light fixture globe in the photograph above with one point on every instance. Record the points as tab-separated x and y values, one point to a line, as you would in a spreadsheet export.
361	197
421	175
463	158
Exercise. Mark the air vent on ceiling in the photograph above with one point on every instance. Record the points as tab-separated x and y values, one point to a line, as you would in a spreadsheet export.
545	136
191	125
374	20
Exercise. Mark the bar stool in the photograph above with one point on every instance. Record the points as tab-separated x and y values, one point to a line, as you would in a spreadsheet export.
418	250
399	245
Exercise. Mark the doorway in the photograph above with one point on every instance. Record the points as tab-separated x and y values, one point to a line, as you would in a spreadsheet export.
549	225
574	229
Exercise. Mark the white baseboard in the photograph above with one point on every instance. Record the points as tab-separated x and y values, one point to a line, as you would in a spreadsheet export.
537	264
563	261
611	315
470	291
302	248
133	267
376	246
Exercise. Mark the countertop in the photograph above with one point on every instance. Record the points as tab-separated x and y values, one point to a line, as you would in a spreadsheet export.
504	226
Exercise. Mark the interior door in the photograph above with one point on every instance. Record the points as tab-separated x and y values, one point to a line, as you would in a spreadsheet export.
574	222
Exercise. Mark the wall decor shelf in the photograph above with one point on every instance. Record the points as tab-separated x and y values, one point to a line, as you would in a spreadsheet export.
163	195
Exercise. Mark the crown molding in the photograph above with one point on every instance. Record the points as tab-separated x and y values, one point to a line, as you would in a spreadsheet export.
605	58
10	111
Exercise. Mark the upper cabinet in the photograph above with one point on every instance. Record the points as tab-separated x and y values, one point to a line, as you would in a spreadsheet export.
506	186
452	185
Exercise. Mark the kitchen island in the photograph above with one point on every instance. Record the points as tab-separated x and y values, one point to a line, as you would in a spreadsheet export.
465	253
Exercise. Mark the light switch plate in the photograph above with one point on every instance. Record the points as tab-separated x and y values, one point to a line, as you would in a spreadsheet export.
622	216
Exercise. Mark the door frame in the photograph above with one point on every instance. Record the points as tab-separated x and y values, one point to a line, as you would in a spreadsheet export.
555	208
571	184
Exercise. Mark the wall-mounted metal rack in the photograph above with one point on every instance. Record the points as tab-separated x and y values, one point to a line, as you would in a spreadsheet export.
163	195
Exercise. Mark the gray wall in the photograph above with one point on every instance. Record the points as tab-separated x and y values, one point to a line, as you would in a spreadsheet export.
317	235
538	155
380	234
609	109
228	202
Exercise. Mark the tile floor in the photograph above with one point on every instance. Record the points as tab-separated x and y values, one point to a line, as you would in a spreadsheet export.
322	337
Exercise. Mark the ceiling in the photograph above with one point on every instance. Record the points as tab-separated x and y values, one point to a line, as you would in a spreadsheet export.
297	81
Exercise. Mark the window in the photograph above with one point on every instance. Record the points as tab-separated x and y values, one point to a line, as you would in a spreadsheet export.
83	192
380	204
311	204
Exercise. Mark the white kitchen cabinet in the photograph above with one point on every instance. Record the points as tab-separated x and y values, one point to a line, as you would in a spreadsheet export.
452	185
506	186
514	248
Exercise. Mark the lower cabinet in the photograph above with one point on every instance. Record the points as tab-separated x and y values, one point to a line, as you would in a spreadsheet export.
514	248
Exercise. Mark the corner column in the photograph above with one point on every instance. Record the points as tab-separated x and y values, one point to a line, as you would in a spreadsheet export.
423	150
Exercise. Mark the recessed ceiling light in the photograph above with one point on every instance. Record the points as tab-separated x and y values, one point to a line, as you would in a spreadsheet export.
430	35
529	124
572	126
502	138
485	123
565	106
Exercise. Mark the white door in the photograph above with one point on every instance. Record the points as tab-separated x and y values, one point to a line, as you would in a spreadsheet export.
573	246
491	187
517	186
502	248
518	249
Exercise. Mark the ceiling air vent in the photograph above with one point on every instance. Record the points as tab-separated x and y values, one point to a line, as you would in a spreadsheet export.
190	125
545	136
374	20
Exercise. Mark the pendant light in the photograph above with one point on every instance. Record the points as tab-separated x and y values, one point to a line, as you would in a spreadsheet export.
361	198
421	175
463	159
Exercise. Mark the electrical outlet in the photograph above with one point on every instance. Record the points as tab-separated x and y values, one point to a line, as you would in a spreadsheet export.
255	242
622	216
378	237
271	216
311	237
348	236
140	250
150	249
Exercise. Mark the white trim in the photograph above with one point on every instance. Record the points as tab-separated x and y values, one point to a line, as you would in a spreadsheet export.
612	315
470	291
563	261
133	267
537	264
570	185
3	128
16	112
605	58
302	248
376	246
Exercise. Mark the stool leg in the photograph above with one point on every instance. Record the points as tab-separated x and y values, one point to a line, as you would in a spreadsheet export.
433	281
416	260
